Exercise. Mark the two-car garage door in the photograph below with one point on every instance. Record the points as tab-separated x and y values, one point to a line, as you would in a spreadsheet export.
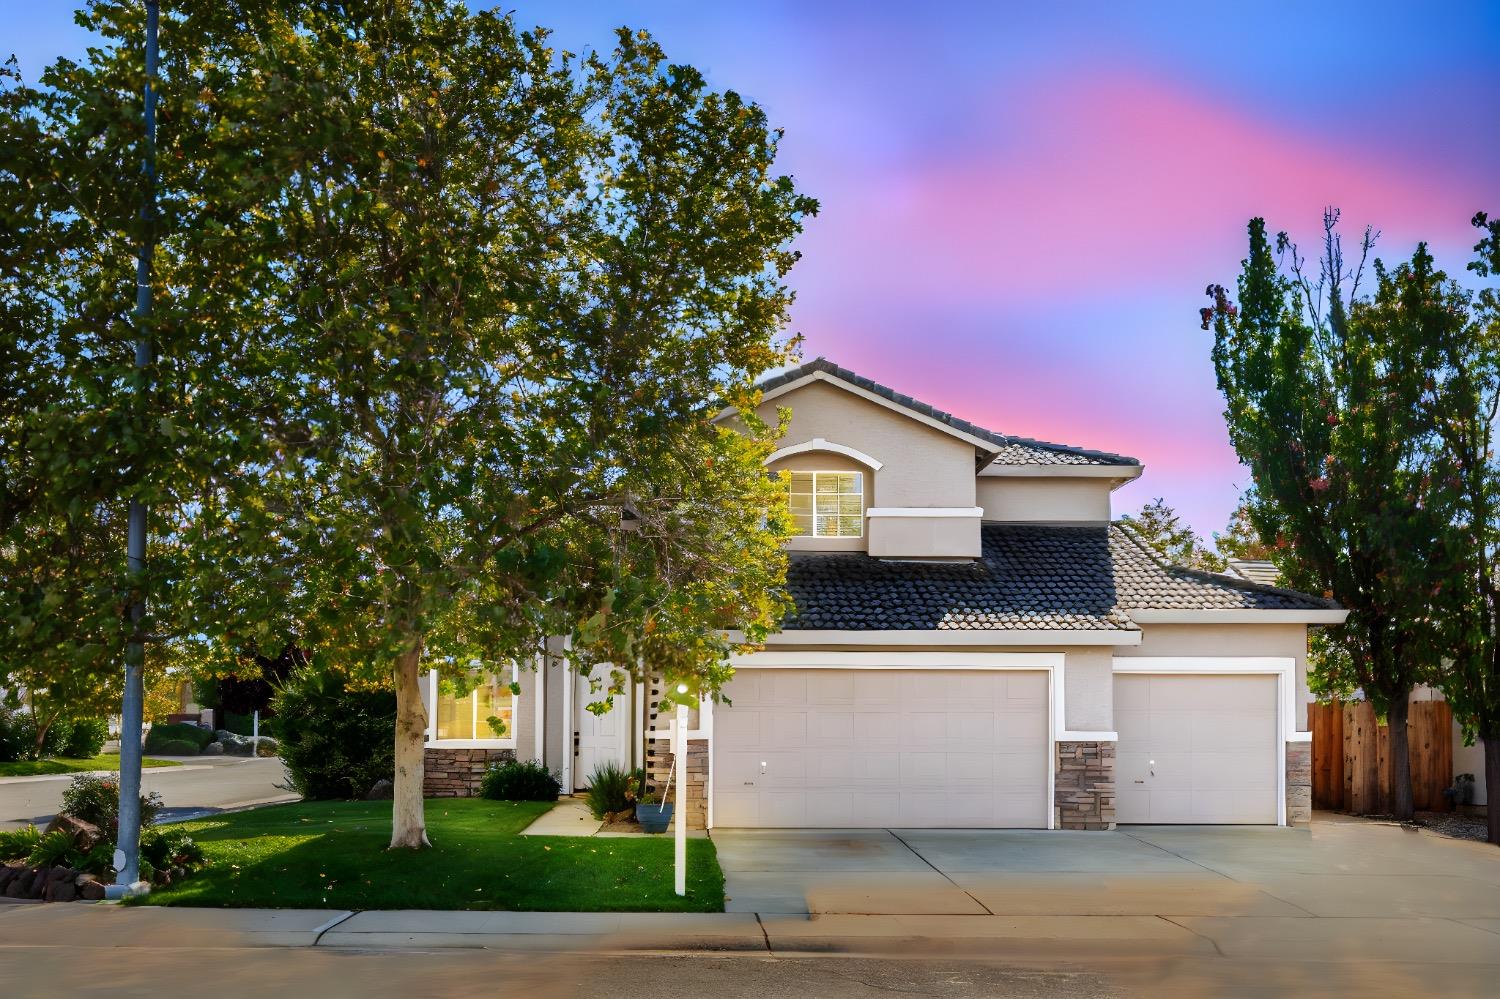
850	748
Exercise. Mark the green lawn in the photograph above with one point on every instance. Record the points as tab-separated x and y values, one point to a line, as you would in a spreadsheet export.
69	765
331	854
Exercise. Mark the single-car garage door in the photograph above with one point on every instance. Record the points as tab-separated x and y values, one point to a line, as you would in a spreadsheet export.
1196	748
850	748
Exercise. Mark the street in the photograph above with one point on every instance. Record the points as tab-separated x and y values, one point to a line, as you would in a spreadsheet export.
201	784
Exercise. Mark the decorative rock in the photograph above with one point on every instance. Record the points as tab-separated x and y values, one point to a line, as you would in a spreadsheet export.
7	872
20	885
84	834
62	891
90	888
234	745
212	749
381	790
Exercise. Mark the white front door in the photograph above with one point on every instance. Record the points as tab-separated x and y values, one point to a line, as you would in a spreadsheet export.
1196	748
832	748
597	739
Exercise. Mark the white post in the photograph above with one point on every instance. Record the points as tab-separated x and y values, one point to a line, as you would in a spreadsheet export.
679	752
255	734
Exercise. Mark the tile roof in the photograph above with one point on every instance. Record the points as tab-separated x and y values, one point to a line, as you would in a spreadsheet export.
1257	570
1028	577
1010	450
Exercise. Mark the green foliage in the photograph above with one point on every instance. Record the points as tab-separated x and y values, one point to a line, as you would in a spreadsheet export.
18	844
171	846
1160	528
335	736
1240	539
17	736
86	738
96	799
513	780
609	789
55	849
175	747
177	732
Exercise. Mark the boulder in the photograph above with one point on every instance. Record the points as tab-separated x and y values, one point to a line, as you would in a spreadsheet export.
234	745
381	790
7	872
61	889
85	834
212	749
90	888
20	885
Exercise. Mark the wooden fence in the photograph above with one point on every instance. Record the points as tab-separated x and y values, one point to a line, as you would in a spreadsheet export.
1352	763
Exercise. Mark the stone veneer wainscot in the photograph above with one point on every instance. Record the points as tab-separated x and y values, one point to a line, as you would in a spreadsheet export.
455	773
1084	785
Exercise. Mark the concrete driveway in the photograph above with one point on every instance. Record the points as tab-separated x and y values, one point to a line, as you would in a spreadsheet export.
1344	887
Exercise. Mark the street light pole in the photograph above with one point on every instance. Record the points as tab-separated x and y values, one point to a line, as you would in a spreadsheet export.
127	844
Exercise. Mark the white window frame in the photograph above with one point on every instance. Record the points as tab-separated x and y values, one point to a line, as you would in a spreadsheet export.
508	742
830	471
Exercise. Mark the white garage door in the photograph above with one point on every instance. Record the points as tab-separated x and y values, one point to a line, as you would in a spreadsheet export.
1196	748
837	748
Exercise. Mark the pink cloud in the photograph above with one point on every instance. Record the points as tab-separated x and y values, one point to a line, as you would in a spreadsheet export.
1108	180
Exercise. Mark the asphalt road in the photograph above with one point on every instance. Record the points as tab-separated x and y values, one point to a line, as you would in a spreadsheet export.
200	784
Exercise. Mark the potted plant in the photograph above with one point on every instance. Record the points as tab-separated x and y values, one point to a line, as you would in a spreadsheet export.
653	815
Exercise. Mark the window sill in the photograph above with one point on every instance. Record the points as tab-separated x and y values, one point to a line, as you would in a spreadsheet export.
470	744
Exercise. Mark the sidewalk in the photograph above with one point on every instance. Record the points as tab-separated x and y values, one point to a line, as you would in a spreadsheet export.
1457	942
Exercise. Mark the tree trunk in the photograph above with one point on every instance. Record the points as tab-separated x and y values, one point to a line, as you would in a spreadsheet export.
1402	806
1492	781
408	824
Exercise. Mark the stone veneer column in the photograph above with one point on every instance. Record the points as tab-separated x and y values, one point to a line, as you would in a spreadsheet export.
1298	783
660	762
1084	785
455	773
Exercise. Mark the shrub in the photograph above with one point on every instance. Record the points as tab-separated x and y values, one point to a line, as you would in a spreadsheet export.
609	789
336	741
55	741
86	738
17	740
176	747
178	732
516	781
96	799
55	849
171	847
17	844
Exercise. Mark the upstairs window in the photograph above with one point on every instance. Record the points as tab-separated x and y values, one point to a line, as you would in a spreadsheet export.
828	504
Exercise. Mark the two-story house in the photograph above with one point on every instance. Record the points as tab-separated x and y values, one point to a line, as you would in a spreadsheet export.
974	644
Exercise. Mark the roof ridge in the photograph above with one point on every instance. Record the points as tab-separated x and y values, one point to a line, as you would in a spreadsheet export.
823	364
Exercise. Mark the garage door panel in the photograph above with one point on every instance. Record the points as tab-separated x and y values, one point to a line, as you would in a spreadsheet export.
927	748
1197	748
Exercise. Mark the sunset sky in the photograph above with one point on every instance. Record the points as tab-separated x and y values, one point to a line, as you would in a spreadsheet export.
1021	207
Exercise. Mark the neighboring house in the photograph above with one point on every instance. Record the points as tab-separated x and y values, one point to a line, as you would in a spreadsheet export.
974	645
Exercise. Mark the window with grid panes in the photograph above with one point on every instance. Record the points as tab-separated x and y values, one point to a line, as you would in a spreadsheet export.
828	504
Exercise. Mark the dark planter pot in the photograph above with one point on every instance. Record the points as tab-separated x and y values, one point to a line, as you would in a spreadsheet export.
654	818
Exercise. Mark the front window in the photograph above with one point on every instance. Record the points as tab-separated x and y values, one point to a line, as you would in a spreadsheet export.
828	504
477	707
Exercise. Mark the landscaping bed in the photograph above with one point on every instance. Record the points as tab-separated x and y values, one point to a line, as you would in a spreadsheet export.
333	854
70	765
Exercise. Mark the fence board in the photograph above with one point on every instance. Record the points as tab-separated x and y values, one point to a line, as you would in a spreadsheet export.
1351	756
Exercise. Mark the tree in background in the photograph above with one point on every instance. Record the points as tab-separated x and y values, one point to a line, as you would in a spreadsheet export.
1464	402
1240	539
1324	394
1163	531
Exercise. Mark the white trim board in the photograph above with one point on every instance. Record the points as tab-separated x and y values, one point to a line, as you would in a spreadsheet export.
925	511
933	638
1285	671
819	444
1238	616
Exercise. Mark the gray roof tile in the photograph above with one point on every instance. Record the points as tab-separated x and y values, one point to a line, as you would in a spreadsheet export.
1028	577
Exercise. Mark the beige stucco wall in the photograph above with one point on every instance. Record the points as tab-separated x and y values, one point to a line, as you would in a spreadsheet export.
923	537
828	461
921	466
1285	641
1028	499
1089	689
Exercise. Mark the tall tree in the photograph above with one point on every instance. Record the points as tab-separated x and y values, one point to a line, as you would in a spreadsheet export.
1323	393
1162	529
1464	400
502	290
